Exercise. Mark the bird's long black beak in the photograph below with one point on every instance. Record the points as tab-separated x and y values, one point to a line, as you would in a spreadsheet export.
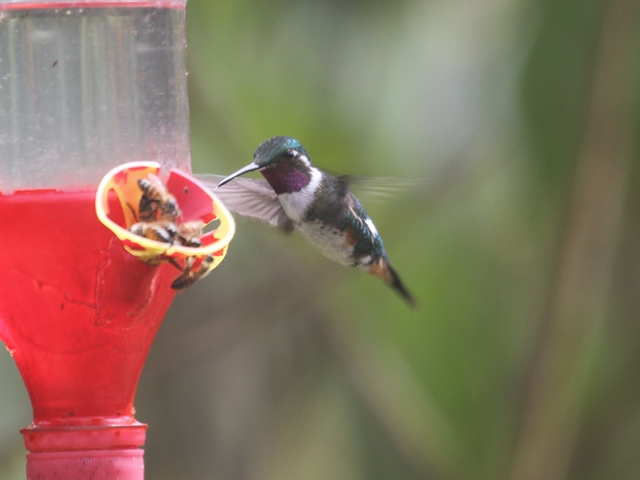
249	168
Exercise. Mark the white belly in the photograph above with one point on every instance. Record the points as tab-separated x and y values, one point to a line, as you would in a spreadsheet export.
330	242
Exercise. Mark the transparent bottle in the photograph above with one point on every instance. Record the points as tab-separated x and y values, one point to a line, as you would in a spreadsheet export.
84	86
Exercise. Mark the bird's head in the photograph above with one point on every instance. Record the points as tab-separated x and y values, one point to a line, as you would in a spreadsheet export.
280	150
283	162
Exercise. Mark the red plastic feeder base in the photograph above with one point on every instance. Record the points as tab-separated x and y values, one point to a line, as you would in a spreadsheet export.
126	464
85	452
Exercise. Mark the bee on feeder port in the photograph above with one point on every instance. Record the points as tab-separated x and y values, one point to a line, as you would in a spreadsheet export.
157	213
191	275
160	231
156	202
189	234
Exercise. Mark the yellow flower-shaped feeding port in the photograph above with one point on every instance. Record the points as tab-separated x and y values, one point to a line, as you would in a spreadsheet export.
121	191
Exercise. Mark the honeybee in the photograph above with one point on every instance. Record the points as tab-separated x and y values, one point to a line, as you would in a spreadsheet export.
157	213
189	275
156	202
160	231
189	234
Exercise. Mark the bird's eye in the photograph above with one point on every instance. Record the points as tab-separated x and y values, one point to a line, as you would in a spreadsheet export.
289	153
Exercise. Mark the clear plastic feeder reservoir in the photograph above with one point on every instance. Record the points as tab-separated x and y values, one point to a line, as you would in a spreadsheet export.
85	86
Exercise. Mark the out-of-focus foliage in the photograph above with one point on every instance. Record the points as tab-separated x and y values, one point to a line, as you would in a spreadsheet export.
521	242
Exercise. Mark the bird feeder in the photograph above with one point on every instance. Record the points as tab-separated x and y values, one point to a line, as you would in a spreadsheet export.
86	88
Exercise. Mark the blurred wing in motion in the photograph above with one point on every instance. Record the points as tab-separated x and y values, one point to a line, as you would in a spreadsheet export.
379	189
250	198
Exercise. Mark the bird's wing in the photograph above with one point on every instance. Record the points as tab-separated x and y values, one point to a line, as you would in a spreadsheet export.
372	189
250	198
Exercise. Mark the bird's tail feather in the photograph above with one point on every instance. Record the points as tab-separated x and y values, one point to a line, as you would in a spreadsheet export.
383	270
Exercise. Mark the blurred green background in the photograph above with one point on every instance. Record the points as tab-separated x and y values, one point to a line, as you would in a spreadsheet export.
519	118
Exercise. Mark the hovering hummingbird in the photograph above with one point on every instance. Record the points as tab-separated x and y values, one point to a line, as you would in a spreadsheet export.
320	206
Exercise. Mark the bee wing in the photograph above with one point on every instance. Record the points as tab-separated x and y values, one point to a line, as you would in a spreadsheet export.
250	198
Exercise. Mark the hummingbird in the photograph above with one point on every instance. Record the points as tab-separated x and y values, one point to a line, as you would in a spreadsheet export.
296	195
